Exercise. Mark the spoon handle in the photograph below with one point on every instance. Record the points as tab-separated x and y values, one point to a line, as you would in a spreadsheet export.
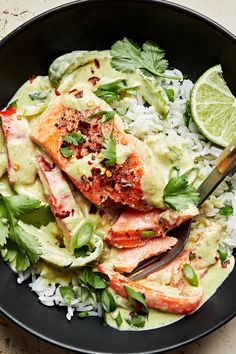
225	165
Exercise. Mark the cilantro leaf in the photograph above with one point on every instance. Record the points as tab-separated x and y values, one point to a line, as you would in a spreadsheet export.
66	151
94	280
25	242
227	210
137	321
29	210
153	58
67	293
109	151
17	244
136	296
38	217
108	302
112	91
74	138
178	194
22	262
127	57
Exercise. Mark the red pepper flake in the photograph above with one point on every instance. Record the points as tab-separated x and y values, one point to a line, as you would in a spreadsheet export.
63	214
57	93
8	112
93	80
97	64
79	94
74	90
32	78
225	263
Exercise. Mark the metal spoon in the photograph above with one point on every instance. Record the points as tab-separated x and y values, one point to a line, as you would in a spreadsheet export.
225	166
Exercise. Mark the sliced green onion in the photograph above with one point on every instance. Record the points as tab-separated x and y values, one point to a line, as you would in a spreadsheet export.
83	235
222	251
119	320
147	233
190	275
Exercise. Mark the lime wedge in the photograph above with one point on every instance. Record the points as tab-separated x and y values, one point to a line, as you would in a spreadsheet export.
214	107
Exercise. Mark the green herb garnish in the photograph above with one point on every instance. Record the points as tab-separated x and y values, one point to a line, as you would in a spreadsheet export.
190	275
119	320
106	116
109	151
222	251
112	91
108	302
147	233
83	314
227	210
187	114
134	296
66	151
179	194
92	279
127	57
13	104
18	244
137	321
67	293
170	94
74	138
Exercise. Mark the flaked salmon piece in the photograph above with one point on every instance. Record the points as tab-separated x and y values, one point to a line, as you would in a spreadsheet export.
127	232
59	196
128	259
195	255
99	182
20	150
167	301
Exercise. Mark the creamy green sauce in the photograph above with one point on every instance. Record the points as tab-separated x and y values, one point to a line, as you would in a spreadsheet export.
159	151
214	277
83	167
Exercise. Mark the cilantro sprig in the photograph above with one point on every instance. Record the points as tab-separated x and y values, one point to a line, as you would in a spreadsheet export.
128	56
74	138
17	244
113	90
178	194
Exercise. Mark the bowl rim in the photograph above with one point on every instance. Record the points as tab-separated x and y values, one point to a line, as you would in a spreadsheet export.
60	8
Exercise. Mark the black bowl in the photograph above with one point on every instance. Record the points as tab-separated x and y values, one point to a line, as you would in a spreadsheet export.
193	43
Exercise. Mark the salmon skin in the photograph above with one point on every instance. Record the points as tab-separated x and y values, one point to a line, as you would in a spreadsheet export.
128	259
171	301
100	183
60	197
20	150
129	229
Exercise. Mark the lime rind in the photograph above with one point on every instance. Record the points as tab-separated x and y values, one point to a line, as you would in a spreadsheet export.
214	107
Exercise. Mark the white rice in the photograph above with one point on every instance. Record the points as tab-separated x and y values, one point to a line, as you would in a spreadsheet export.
143	121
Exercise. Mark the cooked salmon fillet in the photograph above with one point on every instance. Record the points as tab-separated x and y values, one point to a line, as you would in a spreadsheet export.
172	301
129	229
20	150
59	196
128	259
100	183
